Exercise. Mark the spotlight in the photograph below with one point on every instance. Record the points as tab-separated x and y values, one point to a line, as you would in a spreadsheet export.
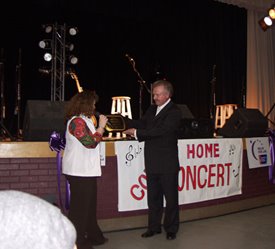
47	28
73	31
268	21
271	12
47	57
70	47
73	60
265	23
45	44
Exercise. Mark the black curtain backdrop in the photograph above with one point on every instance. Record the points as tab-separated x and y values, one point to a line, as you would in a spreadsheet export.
182	40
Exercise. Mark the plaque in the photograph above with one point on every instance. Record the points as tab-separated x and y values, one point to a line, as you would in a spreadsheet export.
115	123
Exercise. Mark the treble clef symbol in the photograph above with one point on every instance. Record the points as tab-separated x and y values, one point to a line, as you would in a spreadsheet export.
129	156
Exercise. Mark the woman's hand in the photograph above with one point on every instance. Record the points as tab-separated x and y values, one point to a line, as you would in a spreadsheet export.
102	121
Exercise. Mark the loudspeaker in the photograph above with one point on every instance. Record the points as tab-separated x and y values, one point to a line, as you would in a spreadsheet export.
42	117
193	128
245	123
196	128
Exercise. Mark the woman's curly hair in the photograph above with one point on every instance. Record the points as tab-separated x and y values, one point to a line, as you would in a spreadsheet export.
81	103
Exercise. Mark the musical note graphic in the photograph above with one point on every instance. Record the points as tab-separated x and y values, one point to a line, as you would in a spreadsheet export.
132	153
232	150
236	172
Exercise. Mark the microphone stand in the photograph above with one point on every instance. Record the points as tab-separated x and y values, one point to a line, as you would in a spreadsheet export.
243	94
18	95
213	94
142	84
2	112
4	130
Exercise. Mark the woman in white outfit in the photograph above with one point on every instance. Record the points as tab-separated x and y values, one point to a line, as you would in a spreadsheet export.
81	166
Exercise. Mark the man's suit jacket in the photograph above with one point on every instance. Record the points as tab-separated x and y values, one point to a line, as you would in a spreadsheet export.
159	132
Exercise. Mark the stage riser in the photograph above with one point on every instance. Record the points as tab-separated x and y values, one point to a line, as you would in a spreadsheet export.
38	175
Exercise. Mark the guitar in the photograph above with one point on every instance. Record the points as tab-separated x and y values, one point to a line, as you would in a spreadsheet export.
74	77
80	90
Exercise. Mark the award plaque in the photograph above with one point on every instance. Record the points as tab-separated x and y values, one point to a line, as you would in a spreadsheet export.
115	123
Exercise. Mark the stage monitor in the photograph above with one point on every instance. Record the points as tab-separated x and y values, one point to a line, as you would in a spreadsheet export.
190	127
196	128
42	117
245	123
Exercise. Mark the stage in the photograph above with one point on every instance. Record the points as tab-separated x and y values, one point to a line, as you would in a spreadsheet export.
32	167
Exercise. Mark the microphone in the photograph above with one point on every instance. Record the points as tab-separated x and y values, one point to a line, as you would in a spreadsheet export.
129	58
97	114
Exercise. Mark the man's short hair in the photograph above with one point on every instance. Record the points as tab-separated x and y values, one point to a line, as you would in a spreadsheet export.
167	85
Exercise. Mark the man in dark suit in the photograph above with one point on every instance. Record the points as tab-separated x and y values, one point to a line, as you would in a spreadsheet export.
158	129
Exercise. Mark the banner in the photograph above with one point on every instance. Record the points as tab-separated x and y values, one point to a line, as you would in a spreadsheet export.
209	169
132	190
258	152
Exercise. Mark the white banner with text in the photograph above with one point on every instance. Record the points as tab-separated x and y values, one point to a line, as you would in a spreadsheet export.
209	169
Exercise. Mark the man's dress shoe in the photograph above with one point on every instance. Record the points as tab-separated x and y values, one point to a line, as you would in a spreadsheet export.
101	242
150	233
170	236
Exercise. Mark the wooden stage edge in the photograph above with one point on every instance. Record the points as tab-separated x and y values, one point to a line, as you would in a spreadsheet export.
41	149
140	221
36	149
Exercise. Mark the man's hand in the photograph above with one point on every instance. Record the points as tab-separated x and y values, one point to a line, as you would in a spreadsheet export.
130	132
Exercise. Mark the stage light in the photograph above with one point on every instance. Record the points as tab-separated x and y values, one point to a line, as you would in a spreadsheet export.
268	21
45	44
47	28
265	23
58	56
70	47
73	31
47	57
271	12
73	59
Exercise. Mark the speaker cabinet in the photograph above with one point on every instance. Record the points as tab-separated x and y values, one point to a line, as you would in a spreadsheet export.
193	128
245	123
196	128
42	117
